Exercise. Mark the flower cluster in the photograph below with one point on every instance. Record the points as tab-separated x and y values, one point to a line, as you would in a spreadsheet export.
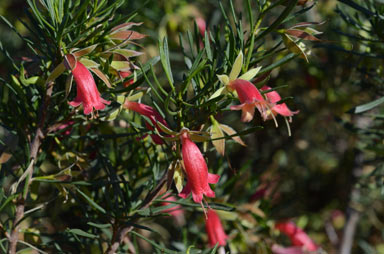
265	100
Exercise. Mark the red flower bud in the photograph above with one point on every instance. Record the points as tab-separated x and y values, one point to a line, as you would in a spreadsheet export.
198	178
297	236
215	229
201	25
87	93
124	74
152	114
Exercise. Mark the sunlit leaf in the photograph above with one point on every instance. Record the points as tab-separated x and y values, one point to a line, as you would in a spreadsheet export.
217	133
236	68
249	75
231	132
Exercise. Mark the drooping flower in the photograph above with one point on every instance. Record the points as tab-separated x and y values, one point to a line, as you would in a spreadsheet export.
215	230
250	98
282	109
198	178
87	93
297	236
150	113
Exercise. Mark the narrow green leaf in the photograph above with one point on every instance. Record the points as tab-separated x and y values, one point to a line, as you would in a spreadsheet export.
249	75
101	226
8	200
215	248
91	202
207	44
217	93
367	106
282	61
80	232
164	57
155	245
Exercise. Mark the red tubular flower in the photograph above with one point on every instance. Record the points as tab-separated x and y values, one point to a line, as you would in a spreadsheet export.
174	211
215	229
297	236
124	74
198	178
249	97
87	93
152	114
281	109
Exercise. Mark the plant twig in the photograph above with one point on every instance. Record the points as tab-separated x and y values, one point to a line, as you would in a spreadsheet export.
20	202
349	232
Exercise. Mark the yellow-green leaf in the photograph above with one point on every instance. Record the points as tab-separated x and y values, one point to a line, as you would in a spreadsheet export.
121	65
89	63
56	72
249	75
217	133
230	132
120	99
178	177
165	129
127	53
136	96
217	93
85	51
68	85
223	79
236	68
101	76
294	47
111	115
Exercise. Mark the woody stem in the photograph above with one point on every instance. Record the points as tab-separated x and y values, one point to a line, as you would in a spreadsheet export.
120	231
35	145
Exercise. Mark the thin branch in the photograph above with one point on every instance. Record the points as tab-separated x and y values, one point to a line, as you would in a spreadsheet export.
37	140
354	215
349	232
